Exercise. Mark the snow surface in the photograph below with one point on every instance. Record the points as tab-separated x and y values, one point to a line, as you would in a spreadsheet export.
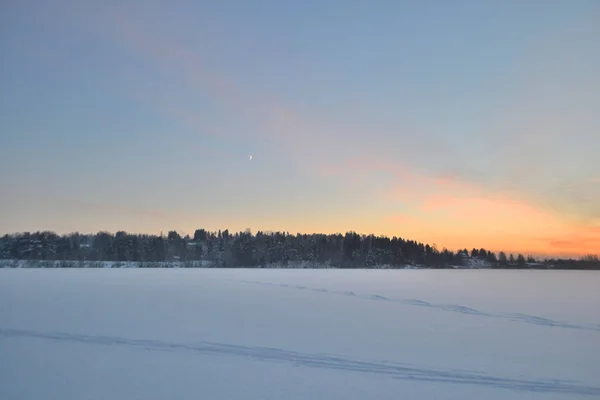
298	334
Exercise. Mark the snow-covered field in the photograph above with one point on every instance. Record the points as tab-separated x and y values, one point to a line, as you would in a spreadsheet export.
298	334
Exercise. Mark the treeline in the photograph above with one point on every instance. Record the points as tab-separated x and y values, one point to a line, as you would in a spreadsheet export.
244	249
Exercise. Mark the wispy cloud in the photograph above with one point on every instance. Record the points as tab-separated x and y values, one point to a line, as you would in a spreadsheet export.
267	119
580	241
541	139
454	213
514	178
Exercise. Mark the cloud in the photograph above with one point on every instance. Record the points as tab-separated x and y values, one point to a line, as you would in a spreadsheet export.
454	213
510	177
266	120
541	140
581	241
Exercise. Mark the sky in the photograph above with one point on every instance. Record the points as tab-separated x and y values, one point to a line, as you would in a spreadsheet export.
459	124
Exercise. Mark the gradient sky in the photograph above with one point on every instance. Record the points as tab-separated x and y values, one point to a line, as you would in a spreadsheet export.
460	123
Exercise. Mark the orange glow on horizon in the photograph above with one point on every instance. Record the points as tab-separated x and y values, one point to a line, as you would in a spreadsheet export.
496	224
456	214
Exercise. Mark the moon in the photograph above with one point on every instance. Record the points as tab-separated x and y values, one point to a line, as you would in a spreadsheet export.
249	157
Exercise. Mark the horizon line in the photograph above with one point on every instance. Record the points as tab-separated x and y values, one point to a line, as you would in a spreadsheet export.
184	235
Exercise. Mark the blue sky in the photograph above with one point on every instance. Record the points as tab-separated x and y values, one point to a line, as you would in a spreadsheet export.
418	119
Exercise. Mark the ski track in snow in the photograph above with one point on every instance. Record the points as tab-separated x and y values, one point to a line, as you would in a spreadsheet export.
516	317
391	369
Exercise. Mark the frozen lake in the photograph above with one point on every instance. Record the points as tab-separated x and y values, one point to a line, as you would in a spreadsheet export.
298	334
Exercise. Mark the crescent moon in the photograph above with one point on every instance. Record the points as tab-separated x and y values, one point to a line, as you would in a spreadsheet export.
249	156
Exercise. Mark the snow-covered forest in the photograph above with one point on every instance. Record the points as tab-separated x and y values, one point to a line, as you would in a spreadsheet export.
263	249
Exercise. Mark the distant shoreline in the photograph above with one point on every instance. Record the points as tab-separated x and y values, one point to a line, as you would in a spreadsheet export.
224	249
74	264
